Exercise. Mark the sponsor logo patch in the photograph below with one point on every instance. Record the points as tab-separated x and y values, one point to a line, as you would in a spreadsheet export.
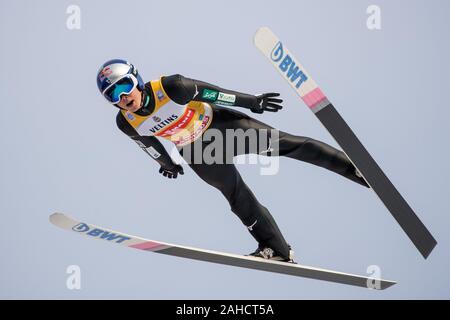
210	94
104	74
225	97
160	95
181	124
152	151
99	233
163	123
130	116
194	135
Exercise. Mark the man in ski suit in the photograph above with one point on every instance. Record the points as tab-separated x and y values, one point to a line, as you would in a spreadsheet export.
184	111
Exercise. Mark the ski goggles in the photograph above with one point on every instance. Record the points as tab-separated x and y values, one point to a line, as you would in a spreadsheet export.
116	90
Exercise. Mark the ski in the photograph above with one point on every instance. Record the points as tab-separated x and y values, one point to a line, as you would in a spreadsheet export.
295	74
65	222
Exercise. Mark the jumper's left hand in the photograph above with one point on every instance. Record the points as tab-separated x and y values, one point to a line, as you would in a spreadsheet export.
171	171
267	102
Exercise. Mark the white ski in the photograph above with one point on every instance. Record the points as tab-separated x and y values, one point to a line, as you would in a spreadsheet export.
65	222
303	84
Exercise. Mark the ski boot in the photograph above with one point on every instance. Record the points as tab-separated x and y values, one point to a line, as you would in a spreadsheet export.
269	254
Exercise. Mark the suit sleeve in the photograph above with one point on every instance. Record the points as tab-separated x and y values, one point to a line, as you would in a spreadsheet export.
148	144
182	90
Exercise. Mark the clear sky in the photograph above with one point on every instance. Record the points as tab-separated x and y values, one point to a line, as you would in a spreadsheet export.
62	151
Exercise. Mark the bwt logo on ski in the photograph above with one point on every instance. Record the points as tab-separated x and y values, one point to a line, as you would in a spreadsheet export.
287	65
99	233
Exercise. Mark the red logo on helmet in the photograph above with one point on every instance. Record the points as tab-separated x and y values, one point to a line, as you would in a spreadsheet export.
105	73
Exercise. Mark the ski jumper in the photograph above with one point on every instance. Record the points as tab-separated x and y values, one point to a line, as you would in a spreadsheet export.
182	110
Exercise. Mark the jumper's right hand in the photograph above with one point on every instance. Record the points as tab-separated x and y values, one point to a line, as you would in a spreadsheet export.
267	102
171	171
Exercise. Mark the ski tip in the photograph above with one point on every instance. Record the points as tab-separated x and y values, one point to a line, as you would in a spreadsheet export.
265	40
260	33
56	218
262	29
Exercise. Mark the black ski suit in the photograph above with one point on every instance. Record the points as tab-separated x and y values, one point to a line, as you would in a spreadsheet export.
223	174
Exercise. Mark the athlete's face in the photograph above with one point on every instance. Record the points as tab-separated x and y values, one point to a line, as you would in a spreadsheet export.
131	102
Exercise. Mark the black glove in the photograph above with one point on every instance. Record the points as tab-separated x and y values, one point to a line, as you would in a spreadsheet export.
172	171
267	102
